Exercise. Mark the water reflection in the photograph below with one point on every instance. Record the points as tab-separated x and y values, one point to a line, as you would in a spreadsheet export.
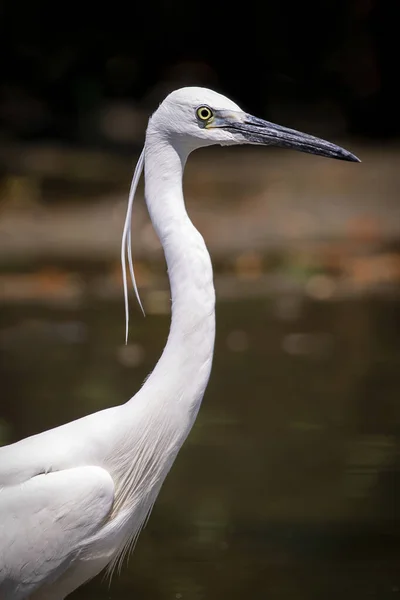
288	484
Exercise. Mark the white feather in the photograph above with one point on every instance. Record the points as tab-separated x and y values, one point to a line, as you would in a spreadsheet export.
126	245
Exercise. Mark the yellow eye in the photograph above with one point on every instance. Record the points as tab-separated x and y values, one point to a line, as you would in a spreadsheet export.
204	113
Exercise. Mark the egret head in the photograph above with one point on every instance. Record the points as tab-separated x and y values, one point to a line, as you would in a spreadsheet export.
192	117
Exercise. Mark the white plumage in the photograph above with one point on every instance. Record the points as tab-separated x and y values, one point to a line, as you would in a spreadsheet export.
73	499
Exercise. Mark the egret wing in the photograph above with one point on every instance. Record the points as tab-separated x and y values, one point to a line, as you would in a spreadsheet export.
44	524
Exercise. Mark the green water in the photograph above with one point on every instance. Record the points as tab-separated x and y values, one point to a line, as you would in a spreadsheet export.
289	484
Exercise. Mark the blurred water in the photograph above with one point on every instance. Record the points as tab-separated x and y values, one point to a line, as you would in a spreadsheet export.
288	484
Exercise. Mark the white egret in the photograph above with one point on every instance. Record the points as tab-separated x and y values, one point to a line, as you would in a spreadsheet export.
74	499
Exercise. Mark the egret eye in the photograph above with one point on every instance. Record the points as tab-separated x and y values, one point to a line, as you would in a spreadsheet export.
204	113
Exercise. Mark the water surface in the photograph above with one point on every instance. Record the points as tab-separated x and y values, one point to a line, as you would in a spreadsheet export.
288	486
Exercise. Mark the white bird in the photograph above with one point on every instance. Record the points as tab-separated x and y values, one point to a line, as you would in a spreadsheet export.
74	499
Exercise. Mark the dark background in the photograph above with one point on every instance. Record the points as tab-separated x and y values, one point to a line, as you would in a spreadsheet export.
61	62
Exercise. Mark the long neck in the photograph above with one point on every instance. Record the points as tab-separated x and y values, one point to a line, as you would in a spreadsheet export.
182	373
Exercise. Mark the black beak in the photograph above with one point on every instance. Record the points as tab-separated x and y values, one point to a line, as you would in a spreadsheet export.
258	131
